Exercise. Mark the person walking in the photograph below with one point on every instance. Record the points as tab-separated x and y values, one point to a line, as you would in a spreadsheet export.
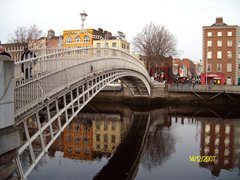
27	67
193	82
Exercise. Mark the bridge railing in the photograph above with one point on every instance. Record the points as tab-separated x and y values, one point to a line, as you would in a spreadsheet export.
16	52
203	88
51	73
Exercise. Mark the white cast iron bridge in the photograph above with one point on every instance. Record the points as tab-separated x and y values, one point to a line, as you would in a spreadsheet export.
61	84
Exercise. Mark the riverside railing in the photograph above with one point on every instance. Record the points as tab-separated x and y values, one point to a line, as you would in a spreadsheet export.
203	88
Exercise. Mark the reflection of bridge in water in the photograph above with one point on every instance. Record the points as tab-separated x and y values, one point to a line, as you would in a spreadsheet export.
61	84
124	162
81	140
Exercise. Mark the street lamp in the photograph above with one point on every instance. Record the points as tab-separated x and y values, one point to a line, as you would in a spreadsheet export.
83	18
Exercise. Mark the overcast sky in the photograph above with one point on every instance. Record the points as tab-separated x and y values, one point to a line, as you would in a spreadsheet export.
183	18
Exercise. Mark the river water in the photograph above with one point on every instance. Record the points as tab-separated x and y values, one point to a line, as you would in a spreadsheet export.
116	142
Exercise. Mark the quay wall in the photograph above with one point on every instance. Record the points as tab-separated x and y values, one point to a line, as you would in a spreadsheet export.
160	95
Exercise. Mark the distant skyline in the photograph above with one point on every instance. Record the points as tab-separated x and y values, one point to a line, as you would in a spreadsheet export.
183	18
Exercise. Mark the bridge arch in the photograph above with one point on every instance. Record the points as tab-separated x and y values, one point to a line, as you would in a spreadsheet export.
61	85
54	72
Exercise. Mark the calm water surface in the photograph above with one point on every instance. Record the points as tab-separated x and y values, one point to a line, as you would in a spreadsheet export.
118	143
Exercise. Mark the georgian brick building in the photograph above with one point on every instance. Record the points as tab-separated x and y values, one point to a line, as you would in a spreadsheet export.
220	53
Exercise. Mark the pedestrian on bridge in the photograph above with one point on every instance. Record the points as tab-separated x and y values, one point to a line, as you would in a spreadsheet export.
27	67
193	82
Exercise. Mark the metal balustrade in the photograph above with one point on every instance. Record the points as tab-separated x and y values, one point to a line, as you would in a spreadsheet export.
203	88
60	85
52	73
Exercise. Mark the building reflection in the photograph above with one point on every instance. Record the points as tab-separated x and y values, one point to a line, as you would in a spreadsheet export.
91	136
107	134
220	138
78	139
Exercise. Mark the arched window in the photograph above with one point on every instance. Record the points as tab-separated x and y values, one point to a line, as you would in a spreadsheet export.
86	39
77	39
69	40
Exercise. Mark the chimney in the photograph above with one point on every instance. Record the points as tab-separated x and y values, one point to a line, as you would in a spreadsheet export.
219	20
100	30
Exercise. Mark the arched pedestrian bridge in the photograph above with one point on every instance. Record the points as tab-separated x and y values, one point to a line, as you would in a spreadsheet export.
59	86
80	72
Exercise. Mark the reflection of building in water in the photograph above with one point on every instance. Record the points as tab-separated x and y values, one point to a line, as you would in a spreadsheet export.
237	142
107	133
217	139
77	138
88	133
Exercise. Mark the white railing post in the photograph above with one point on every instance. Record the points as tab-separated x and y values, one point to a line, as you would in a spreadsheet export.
6	91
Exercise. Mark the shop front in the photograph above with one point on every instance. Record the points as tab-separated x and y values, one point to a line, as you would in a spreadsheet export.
213	78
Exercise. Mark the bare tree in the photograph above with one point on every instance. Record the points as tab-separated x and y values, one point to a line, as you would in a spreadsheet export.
25	34
155	41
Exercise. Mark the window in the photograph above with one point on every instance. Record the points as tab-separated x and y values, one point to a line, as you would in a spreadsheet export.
209	43
69	149
105	138
105	126
229	54
209	55
77	140
85	140
229	33
69	40
98	45
86	39
217	128
219	67
77	128
209	34
227	129
207	128
229	43
69	139
219	54
229	67
78	150
113	126
98	137
114	44
219	43
77	39
113	139
86	129
219	33
98	126
209	68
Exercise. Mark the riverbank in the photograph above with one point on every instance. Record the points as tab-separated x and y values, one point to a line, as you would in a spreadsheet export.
160	96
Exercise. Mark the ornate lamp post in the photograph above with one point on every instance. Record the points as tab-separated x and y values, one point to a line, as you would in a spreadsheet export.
83	18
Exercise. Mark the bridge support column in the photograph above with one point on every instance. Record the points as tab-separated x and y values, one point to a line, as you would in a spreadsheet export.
6	91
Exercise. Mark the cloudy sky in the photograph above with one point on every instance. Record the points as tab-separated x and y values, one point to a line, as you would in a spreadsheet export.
183	18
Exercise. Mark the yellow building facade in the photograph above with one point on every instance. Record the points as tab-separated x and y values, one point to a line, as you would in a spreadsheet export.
94	38
78	38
